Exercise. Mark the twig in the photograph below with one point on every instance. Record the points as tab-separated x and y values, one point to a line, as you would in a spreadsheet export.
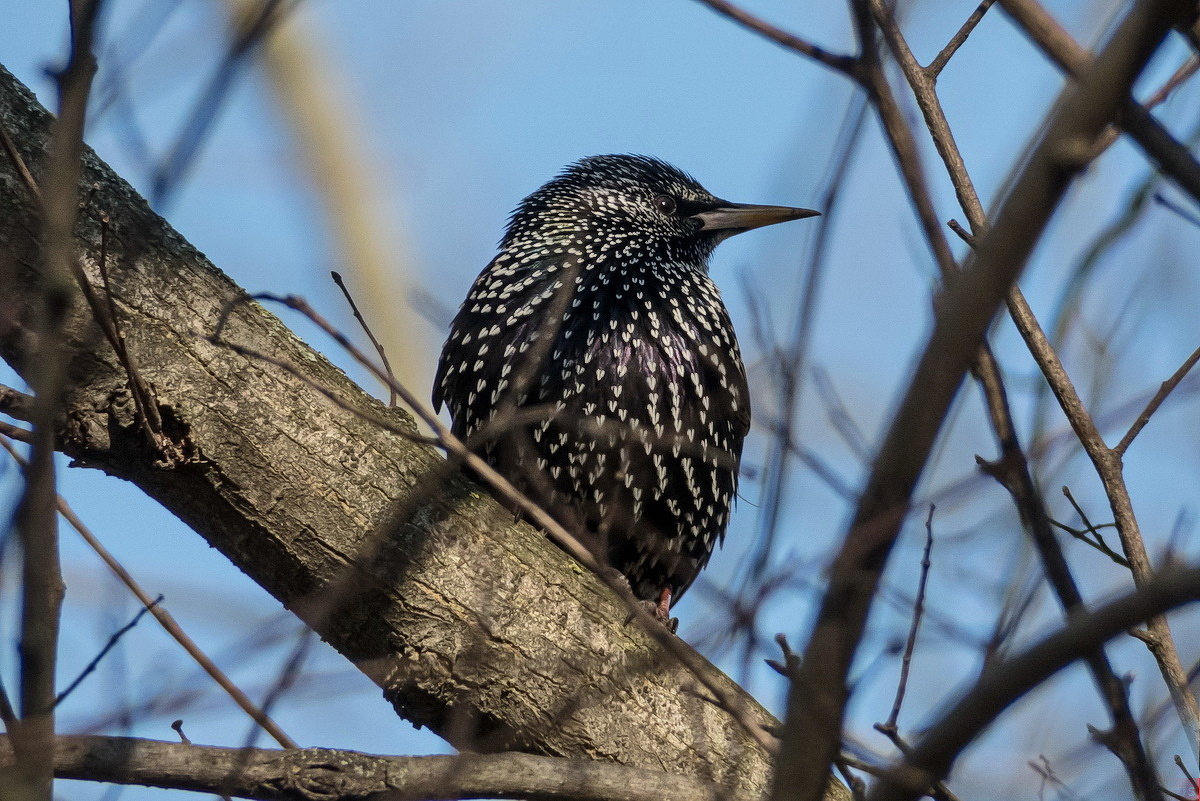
177	725
793	354
1186	70
1046	771
918	609
1186	773
568	542
383	359
847	65
940	61
1163	200
108	646
1175	160
1164	390
818	697
144	402
14	156
1092	529
998	688
1081	535
187	144
165	619
963	233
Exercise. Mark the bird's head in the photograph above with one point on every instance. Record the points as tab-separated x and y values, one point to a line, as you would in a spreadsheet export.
625	206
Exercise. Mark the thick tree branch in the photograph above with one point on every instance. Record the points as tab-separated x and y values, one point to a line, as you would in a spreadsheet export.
319	774
472	624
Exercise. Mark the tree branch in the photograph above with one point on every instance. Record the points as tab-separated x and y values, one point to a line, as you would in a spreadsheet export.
1175	160
1006	681
847	65
819	693
473	624
318	774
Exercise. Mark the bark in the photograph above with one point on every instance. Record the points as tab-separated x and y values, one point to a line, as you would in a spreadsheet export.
322	774
471	623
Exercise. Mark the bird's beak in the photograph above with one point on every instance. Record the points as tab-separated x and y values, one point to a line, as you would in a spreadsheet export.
737	217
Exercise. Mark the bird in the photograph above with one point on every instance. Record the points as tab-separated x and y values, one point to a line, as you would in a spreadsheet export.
594	365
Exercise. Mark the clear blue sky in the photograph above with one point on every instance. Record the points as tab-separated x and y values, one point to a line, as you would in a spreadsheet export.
467	107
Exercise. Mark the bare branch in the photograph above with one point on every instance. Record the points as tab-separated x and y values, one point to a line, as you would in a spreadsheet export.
164	618
1166	389
318	774
819	694
847	65
16	404
1175	160
35	518
1006	681
383	359
957	40
918	610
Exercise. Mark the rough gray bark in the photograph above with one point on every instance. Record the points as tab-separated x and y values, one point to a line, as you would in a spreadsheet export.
469	621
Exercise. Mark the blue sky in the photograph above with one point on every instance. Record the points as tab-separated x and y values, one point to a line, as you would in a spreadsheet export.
466	107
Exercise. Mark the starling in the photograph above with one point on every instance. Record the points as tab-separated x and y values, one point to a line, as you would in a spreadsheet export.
594	365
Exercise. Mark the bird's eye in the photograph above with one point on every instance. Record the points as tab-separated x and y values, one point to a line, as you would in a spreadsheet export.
665	203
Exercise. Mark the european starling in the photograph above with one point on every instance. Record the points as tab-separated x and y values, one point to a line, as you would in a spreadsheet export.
594	365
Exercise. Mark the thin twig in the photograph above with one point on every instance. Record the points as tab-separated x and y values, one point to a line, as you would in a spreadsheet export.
204	114
1186	70
1082	536
818	697
957	40
1163	200
460	451
1092	529
144	403
1164	390
963	233
383	359
847	65
165	619
918	609
14	156
108	646
1186	773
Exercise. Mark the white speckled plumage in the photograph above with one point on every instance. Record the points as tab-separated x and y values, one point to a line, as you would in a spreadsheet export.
598	322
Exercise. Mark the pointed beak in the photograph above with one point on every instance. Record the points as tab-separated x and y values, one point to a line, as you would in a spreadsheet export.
738	217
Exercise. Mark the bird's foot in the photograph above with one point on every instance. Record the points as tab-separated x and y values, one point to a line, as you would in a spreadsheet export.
659	610
662	610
